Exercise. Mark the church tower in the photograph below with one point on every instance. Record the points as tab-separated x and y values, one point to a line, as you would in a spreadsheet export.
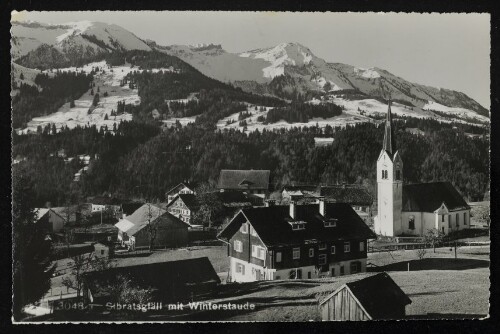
389	184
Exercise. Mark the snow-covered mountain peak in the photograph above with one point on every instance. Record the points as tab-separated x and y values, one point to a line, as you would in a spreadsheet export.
284	54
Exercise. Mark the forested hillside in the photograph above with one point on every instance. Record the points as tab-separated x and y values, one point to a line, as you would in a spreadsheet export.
142	162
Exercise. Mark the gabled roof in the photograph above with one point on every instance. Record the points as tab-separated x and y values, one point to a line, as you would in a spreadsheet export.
273	227
428	197
190	201
124	225
40	212
378	295
178	188
238	199
142	214
165	219
244	179
351	194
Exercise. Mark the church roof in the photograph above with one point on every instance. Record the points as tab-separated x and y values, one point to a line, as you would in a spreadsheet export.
389	144
428	197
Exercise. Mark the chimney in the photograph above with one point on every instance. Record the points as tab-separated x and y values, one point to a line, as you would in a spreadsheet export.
322	206
293	209
269	202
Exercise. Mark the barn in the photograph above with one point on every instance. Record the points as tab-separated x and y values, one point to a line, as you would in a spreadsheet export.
375	297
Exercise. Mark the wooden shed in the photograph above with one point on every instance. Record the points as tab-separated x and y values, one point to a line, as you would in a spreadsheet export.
372	298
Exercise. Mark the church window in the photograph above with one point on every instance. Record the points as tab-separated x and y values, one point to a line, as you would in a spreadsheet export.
411	223
383	174
442	218
398	175
457	219
465	218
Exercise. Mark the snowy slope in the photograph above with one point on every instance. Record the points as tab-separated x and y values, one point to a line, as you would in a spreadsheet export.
108	80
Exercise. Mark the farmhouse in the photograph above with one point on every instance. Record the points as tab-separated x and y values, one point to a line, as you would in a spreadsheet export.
135	230
375	297
181	188
413	209
296	241
250	181
169	281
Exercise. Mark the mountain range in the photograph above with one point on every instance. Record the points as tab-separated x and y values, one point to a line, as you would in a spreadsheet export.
287	70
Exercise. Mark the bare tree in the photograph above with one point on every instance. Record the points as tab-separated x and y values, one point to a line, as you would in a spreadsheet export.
122	290
433	237
421	253
151	215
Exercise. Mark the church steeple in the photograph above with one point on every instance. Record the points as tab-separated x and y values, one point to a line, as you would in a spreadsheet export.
389	139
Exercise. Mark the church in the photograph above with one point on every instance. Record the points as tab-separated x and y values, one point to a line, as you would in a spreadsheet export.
413	209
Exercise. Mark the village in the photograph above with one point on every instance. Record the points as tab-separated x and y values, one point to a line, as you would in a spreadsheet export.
297	253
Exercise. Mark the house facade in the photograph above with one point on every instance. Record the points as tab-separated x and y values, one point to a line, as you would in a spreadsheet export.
49	220
184	206
254	182
296	242
415	208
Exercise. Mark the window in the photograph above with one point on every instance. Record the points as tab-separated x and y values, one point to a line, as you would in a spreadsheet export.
278	256
361	246
332	250
465	218
309	274
330	223
386	176
411	223
442	218
254	251
102	251
261	253
341	270
322	246
457	218
347	247
355	267
333	272
296	253
383	175
311	252
240	268
449	222
244	228
322	259
398	175
238	246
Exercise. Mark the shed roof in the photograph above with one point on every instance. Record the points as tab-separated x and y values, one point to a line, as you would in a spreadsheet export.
378	294
428	197
244	179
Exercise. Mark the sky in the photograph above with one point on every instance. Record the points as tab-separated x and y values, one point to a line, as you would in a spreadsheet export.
441	50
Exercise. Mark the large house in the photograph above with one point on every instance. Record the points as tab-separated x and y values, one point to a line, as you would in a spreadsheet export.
181	188
416	208
296	241
134	230
250	181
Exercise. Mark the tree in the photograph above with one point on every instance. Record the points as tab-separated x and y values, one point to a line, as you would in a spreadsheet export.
96	100
433	237
21	76
210	206
151	215
72	104
82	264
106	117
421	253
31	264
121	290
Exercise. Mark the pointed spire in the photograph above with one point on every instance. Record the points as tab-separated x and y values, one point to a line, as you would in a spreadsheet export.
389	139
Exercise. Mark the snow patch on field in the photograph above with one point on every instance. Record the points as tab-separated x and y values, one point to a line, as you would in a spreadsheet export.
459	112
366	73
